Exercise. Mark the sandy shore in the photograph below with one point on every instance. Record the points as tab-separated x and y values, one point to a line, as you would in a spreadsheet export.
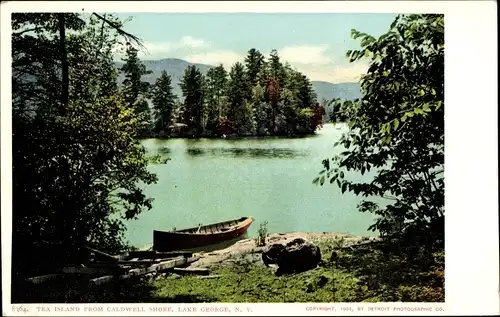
250	252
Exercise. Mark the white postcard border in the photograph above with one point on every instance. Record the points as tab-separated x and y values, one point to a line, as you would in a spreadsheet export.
471	173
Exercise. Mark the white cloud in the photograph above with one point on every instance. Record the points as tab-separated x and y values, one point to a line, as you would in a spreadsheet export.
224	57
335	72
320	64
306	54
191	42
158	48
316	61
186	42
164	49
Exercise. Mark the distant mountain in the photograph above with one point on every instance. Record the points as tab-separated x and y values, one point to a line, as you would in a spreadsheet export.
329	91
175	68
344	91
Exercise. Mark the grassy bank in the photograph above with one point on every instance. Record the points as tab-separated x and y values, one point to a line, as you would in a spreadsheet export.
375	272
372	273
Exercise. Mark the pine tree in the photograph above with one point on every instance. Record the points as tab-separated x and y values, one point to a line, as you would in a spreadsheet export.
276	68
220	86
163	101
253	63
238	95
77	167
260	110
216	87
134	89
192	85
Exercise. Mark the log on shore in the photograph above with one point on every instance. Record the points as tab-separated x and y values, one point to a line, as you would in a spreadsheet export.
361	244
120	263
101	254
155	254
108	278
43	278
94	270
191	271
162	266
158	267
190	260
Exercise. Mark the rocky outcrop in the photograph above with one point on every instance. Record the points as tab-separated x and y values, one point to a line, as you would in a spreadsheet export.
271	253
297	255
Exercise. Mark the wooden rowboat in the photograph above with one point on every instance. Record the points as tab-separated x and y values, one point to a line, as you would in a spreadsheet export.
200	236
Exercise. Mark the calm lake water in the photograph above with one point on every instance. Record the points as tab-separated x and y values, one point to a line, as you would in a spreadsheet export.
269	179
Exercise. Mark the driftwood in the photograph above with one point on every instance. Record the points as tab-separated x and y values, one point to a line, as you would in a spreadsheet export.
193	271
135	272
155	254
121	263
193	259
94	270
43	278
132	262
160	266
360	244
109	257
107	278
116	267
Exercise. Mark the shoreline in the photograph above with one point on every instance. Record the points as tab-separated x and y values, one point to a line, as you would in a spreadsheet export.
248	249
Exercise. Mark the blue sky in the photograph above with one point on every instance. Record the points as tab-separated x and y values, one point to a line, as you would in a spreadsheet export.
314	43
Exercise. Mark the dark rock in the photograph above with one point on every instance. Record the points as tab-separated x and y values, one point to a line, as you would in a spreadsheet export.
299	255
334	256
271	253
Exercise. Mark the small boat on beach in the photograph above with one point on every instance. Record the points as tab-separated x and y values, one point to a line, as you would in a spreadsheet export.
200	236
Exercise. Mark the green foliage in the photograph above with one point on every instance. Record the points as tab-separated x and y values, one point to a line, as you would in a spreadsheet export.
77	165
262	234
254	63
192	86
362	274
238	95
216	87
259	285
135	90
397	129
258	97
163	102
338	109
276	67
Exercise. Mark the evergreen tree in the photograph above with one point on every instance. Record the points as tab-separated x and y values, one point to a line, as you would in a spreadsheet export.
253	63
134	89
220	88
273	90
163	101
77	163
263	74
238	95
192	85
276	68
260	110
216	84
304	92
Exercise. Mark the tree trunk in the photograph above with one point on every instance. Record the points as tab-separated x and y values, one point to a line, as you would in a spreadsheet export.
64	60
